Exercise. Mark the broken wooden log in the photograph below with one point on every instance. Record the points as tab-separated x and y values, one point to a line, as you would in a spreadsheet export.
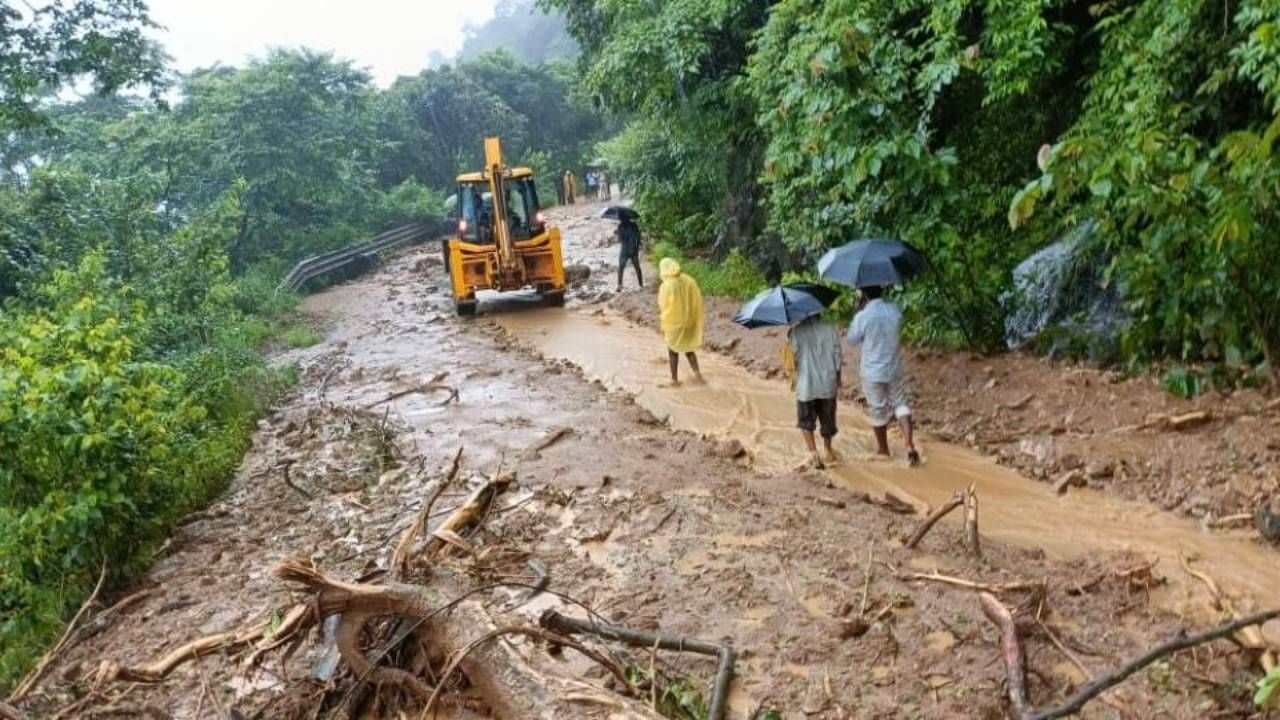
971	541
1010	652
506	680
724	654
1181	641
400	558
956	501
468	515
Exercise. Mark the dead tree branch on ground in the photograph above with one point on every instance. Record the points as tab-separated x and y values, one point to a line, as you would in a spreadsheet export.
956	501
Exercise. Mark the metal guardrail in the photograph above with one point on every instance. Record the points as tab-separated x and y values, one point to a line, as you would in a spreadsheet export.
314	267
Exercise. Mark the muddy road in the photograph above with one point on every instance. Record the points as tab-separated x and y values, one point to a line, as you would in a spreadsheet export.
670	510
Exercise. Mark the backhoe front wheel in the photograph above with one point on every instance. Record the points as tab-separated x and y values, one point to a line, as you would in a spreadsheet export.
553	298
465	308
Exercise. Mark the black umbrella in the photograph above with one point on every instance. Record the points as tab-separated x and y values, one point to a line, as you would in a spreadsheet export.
785	305
619	212
869	263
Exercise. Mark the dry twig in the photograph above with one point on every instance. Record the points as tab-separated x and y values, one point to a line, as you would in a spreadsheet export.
956	501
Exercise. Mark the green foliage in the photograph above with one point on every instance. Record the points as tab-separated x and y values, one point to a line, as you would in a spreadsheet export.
299	336
885	118
1182	382
47	45
733	277
1173	153
1268	694
103	448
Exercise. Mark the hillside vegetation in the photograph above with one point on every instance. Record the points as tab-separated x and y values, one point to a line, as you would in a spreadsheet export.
977	130
140	246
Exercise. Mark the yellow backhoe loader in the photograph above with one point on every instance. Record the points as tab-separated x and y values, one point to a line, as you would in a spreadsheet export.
502	241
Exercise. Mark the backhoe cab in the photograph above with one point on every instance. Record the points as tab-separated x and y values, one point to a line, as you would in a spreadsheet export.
502	241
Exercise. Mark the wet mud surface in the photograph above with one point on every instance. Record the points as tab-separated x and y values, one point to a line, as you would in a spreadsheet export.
646	510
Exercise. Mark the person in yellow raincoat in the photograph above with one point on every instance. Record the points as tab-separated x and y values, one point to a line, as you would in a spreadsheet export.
680	310
570	186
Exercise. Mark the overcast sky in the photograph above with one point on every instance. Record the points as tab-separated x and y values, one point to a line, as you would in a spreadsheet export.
388	37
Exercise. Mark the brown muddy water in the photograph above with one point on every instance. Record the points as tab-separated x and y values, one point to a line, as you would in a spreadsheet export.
760	413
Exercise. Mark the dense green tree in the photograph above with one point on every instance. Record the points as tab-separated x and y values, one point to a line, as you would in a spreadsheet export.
1173	154
47	45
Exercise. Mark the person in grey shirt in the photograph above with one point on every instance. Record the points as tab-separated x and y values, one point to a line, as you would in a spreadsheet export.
816	347
877	327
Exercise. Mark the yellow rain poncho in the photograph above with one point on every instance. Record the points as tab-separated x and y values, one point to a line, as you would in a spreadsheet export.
680	306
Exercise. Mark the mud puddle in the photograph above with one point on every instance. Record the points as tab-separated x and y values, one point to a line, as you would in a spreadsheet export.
760	414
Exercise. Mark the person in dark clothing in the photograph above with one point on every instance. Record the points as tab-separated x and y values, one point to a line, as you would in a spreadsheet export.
629	249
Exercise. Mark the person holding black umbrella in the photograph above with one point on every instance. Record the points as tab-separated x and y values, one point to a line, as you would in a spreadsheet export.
629	248
877	328
815	346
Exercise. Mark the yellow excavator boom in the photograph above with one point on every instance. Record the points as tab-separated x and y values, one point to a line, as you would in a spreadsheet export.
502	241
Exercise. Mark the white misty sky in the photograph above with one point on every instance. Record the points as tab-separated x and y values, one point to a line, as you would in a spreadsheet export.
387	37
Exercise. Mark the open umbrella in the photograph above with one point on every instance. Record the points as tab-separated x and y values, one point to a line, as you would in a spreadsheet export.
619	212
785	305
868	263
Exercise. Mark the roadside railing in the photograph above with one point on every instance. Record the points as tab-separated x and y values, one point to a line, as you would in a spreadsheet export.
314	267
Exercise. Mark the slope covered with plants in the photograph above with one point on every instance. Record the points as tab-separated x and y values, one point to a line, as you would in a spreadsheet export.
140	245
979	130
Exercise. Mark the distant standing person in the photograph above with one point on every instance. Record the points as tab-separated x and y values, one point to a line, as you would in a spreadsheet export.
605	190
680	311
560	190
570	187
878	327
591	184
629	249
815	345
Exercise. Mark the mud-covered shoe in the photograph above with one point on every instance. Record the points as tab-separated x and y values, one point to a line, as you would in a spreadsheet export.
815	462
831	457
913	458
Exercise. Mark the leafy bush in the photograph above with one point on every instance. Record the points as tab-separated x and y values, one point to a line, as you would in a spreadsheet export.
735	277
103	450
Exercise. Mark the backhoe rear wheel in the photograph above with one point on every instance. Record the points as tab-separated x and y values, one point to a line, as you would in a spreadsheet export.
465	308
553	298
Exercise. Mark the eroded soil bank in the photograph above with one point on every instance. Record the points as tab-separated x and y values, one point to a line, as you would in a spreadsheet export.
650	525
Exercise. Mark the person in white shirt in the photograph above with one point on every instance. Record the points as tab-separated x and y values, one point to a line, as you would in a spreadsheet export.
877	328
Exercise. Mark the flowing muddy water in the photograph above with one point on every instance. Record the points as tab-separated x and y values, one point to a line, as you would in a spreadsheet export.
760	413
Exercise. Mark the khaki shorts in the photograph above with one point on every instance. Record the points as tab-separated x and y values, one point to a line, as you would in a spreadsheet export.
886	400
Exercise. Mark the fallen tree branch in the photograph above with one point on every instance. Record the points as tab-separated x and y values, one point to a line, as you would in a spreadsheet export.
971	541
33	678
468	514
724	654
1010	652
552	438
993	588
9	712
432	385
956	501
1249	636
1180	641
619	673
400	558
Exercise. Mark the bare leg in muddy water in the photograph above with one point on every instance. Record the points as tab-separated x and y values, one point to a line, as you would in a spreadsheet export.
673	358
907	427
